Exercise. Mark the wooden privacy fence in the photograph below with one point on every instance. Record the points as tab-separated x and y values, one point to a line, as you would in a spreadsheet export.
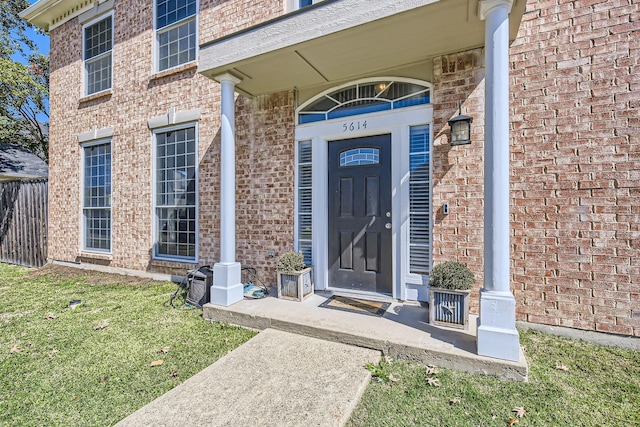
23	222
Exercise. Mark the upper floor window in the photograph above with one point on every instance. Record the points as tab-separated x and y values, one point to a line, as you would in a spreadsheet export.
175	32
98	45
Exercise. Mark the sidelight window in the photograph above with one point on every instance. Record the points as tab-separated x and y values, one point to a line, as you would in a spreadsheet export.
419	200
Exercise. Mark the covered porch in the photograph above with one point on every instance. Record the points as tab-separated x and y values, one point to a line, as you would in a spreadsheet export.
338	41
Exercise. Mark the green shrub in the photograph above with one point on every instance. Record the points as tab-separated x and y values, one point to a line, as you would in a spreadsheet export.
290	262
452	275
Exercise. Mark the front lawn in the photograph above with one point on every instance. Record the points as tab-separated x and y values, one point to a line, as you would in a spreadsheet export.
91	366
571	383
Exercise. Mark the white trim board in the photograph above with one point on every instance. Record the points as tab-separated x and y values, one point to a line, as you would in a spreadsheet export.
396	123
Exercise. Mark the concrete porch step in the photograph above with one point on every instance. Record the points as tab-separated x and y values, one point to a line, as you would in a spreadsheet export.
403	332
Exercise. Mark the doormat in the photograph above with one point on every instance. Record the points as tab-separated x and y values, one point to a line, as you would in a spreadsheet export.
356	305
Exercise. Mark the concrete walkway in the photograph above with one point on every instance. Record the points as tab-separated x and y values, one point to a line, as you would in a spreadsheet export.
275	379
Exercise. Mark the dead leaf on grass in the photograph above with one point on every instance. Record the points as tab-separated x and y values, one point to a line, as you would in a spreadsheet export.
520	411
52	353
393	379
431	370
562	367
174	374
101	325
455	400
15	349
433	382
512	421
105	379
164	350
157	363
50	316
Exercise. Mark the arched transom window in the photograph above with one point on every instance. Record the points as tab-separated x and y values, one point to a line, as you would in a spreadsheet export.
363	98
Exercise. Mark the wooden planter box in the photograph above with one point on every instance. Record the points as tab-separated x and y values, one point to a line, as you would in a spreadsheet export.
296	286
448	307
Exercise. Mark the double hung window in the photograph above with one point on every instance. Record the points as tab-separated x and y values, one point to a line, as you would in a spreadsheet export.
175	194
175	32
98	61
97	197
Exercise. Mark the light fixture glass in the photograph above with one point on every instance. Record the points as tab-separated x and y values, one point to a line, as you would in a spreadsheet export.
460	128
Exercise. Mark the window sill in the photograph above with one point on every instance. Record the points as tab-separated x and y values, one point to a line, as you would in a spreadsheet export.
161	262
99	95
175	70
96	255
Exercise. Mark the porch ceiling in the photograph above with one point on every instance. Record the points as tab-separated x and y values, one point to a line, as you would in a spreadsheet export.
338	40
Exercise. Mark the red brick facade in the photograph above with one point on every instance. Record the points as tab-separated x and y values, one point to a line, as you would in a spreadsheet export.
575	155
575	120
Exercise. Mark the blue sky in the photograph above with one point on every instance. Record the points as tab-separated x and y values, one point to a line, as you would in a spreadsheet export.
41	40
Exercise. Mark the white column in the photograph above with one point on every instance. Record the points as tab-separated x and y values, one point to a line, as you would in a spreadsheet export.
497	334
227	283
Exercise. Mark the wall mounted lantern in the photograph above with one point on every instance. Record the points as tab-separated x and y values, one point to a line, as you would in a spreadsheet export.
460	128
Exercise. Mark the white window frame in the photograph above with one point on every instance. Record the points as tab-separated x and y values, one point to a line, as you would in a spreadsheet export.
85	79
155	237
83	224
157	31
297	238
418	276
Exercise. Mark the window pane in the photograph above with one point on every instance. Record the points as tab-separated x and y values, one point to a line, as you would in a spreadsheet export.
97	38
175	188
364	98
304	200
419	200
177	45
360	157
97	197
98	72
171	11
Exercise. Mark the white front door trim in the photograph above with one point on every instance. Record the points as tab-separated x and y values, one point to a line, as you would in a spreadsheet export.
394	122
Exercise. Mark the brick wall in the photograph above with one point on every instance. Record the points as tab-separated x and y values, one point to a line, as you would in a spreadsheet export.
575	155
264	142
458	170
575	110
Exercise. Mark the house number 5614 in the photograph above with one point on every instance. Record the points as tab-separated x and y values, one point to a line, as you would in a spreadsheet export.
352	126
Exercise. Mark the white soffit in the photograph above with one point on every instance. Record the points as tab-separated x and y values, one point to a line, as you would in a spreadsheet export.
346	39
49	14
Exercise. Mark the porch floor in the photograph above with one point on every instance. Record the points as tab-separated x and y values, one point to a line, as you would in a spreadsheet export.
403	332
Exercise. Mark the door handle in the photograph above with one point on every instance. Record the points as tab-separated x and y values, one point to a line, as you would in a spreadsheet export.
388	226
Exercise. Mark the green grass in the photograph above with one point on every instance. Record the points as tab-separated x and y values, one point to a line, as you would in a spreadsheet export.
600	388
64	372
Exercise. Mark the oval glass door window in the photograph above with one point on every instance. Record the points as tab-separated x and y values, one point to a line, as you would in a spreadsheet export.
360	157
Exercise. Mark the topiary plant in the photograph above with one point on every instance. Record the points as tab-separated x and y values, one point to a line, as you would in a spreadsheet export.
291	262
452	275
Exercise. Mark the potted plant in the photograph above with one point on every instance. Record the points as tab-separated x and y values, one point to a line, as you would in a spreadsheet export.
294	277
451	284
